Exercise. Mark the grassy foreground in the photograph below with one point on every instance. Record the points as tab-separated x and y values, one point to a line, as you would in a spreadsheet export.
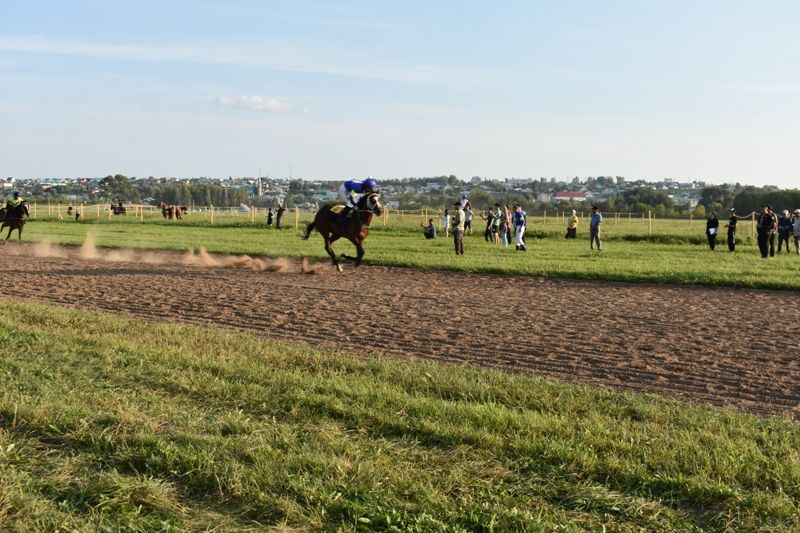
116	424
676	252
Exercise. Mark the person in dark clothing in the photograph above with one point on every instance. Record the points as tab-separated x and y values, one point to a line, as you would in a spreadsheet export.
785	228
270	214
712	228
279	216
430	230
731	225
773	232
765	226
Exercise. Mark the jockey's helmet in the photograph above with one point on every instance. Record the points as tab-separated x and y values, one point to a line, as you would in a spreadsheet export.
371	184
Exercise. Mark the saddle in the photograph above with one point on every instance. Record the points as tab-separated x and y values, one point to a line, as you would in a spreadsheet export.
336	214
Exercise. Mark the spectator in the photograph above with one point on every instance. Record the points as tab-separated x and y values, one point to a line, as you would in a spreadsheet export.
712	227
520	219
497	221
430	230
270	215
509	223
279	215
446	223
594	229
785	227
774	231
464	202
765	226
457	228
468	216
489	218
731	225
572	226
796	225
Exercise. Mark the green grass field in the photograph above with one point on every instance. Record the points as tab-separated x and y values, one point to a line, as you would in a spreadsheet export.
674	252
110	424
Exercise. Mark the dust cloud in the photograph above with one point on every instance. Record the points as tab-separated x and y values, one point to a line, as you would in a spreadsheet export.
201	258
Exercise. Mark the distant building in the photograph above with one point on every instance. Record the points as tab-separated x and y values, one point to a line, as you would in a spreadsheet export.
544	197
568	196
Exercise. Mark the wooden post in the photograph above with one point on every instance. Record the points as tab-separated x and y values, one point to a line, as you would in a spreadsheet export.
385	215
253	214
544	214
296	217
754	224
649	222
98	210
211	210
49	210
110	212
34	210
141	213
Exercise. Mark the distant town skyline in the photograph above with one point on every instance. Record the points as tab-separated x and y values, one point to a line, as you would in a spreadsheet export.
684	90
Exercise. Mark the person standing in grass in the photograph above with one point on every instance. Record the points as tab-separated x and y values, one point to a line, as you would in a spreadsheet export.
497	221
594	229
520	219
765	226
712	227
468	216
446	223
796	230
572	226
457	228
785	227
773	232
270	215
489	218
731	225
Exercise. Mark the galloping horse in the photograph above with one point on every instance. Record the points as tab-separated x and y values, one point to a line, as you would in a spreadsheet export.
355	229
14	219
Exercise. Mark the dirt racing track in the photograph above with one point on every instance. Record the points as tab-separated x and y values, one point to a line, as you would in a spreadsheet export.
721	346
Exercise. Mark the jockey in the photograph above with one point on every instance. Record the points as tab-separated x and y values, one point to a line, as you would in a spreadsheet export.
351	192
15	201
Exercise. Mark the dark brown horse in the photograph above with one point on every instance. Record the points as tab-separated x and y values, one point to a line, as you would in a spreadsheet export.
14	218
355	228
169	211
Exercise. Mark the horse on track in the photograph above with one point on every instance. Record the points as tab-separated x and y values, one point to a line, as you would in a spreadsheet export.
14	218
331	226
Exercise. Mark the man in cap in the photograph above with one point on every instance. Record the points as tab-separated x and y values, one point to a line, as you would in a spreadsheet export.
765	226
457	228
14	201
796	226
594	228
785	228
731	225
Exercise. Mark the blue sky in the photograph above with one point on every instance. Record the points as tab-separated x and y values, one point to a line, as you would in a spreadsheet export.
644	89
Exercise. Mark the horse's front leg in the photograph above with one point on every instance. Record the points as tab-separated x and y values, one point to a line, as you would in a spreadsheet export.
329	249
359	252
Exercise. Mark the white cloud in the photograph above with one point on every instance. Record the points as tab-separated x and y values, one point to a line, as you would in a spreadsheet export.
257	103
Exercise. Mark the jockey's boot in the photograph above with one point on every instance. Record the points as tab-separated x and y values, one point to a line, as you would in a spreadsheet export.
346	213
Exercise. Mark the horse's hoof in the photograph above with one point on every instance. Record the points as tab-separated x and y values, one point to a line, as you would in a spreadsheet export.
339	268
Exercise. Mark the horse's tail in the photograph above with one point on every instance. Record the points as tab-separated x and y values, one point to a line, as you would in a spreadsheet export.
309	229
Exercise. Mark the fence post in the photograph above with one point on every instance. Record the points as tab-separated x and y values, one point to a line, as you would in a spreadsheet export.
649	222
385	215
211	210
754	223
544	223
296	217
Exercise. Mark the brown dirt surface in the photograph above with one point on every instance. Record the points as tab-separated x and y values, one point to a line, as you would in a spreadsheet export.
728	347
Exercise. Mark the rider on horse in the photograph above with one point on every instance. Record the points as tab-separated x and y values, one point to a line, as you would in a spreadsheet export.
351	192
15	201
